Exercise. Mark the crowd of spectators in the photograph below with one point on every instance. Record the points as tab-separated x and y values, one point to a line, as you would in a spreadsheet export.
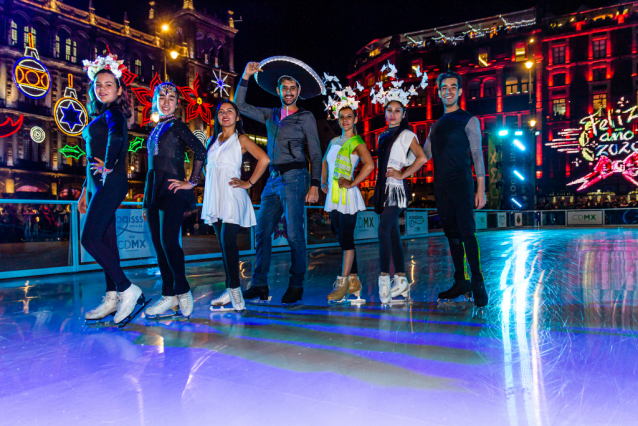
605	202
22	223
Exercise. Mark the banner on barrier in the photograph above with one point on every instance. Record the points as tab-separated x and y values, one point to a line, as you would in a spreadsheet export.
585	217
518	219
501	219
133	236
367	225
416	222
481	220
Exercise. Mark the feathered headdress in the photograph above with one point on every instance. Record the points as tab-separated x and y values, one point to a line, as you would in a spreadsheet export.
343	96
396	92
108	62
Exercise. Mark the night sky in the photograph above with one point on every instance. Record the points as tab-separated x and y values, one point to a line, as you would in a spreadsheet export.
321	33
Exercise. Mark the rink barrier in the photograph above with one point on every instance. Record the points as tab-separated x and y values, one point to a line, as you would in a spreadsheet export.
48	242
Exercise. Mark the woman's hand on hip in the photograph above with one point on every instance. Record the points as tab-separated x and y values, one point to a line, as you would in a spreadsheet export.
176	184
238	183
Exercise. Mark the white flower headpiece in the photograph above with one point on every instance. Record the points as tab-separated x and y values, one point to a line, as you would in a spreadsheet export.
396	92
343	97
108	62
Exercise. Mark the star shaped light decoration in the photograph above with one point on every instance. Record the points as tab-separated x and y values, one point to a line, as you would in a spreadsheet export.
196	105
71	116
136	144
145	98
220	83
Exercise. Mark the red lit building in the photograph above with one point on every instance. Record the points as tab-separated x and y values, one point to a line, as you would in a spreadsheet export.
556	78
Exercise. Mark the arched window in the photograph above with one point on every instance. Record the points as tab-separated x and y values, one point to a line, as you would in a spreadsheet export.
136	65
474	89
29	29
13	33
511	85
489	88
65	47
70	50
99	49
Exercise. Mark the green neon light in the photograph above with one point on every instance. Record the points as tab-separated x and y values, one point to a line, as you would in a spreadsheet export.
72	151
136	144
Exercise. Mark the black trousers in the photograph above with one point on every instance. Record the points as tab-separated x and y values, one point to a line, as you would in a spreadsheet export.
455	204
165	222
390	245
99	236
227	237
344	225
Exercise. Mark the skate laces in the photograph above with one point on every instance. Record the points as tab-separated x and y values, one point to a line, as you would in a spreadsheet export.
163	301
221	297
235	295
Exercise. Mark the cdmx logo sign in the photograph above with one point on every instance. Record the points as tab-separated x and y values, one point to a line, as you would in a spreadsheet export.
365	222
584	217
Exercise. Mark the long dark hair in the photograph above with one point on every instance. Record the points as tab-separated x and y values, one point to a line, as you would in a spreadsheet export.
95	107
403	125
217	128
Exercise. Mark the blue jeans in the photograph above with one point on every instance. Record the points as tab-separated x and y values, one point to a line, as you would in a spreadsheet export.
283	195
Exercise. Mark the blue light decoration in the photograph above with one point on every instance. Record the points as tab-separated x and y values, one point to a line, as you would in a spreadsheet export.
70	115
516	202
30	75
503	132
519	145
220	83
518	175
136	144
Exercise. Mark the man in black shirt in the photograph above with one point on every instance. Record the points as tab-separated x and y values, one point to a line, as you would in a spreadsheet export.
452	139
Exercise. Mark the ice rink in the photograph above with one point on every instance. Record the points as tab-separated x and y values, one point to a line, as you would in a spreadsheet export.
557	345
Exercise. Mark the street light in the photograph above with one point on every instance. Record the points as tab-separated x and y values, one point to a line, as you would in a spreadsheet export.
165	27
532	123
174	54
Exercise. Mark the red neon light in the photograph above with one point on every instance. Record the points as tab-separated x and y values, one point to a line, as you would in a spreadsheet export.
128	77
429	179
605	168
539	151
145	98
539	174
9	126
196	105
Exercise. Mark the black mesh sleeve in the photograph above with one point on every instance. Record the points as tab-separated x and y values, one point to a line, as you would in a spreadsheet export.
183	132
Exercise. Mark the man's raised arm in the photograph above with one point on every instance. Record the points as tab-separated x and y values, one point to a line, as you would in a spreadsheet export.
259	114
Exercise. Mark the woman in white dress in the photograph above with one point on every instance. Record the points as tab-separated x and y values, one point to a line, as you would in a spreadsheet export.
227	205
344	199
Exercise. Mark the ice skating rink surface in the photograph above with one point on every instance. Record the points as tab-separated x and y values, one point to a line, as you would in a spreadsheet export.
557	345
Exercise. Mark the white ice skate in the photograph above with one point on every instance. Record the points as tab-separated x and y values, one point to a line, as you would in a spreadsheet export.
167	306
129	299
220	304
385	294
237	299
186	304
107	308
400	288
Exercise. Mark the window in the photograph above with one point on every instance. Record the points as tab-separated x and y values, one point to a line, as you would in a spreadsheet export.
558	55
370	81
474	89
525	84
599	74
511	85
560	79
519	53
489	88
599	48
56	47
13	34
511	121
417	63
559	107
28	30
137	67
483	58
71	50
600	101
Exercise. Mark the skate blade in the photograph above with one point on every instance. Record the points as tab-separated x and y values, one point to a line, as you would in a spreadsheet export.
100	322
400	301
292	305
342	301
258	301
141	301
222	308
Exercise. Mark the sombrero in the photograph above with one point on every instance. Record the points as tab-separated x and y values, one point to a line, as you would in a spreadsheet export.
277	66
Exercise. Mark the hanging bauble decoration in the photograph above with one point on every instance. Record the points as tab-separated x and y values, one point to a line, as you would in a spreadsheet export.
37	134
30	75
196	105
9	127
70	115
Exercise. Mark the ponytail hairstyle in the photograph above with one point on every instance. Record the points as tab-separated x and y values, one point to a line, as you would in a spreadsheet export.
95	107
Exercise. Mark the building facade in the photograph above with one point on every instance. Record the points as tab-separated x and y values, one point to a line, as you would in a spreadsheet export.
40	159
568	83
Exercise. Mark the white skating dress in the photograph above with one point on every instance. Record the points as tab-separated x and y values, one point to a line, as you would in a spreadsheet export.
222	201
353	200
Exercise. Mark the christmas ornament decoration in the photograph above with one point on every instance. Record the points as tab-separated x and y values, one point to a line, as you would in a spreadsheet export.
70	115
220	84
145	98
136	144
196	105
72	151
37	134
30	75
9	127
201	135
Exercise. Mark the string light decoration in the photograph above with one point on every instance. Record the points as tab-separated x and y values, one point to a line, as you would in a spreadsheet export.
136	144
70	115
75	152
37	134
196	105
9	127
220	84
145	98
30	75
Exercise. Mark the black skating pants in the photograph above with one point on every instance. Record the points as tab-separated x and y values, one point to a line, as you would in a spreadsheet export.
165	222
227	237
344	224
99	236
455	204
390	245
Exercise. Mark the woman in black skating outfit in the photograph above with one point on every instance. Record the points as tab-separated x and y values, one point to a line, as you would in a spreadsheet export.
168	196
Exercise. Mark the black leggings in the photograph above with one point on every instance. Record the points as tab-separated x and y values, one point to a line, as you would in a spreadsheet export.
165	221
99	236
227	237
390	244
455	204
344	225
